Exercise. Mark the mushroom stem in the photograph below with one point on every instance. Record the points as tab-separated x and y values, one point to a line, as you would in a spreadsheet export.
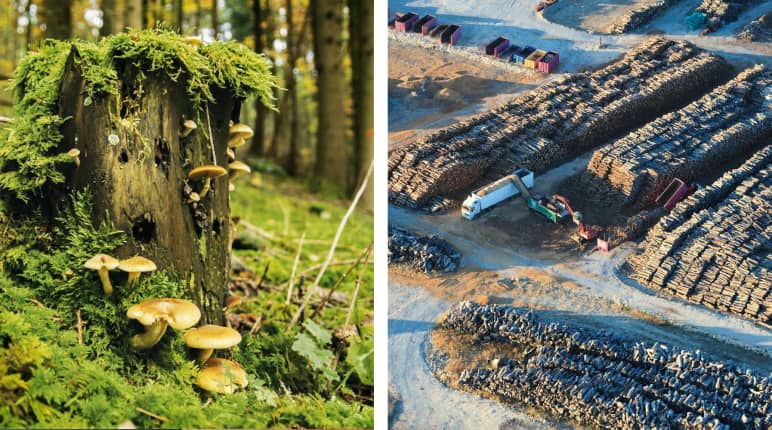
105	278
204	355
206	187
133	276
153	333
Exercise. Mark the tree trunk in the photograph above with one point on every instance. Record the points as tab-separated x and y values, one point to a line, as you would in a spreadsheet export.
289	160
140	182
198	17
361	42
215	20
57	14
179	15
28	30
332	159
112	14
258	140
133	16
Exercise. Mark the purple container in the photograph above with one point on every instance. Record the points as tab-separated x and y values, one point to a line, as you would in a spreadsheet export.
406	22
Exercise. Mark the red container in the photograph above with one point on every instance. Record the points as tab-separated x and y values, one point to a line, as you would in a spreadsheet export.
452	34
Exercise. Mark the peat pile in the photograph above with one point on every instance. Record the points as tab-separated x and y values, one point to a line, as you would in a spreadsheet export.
559	119
758	30
714	247
638	17
598	379
726	11
422	253
687	143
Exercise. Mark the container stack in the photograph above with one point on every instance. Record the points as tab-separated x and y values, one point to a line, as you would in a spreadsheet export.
560	119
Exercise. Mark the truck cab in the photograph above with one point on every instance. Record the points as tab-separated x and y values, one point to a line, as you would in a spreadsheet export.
471	207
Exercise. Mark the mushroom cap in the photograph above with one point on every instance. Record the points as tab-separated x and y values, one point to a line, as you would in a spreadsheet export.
189	123
212	337
238	167
236	141
221	376
101	261
137	264
240	130
74	152
178	313
208	171
194	197
231	154
194	40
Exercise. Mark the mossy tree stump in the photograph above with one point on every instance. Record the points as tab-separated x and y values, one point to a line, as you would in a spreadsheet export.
135	163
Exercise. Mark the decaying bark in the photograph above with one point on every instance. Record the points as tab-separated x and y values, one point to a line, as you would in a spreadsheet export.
136	165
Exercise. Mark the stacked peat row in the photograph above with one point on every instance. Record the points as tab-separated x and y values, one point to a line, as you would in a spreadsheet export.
638	17
724	10
728	121
714	248
553	122
422	253
601	380
758	30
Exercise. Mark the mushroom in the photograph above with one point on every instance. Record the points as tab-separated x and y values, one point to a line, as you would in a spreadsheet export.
194	198
237	133
238	168
187	127
210	337
231	154
75	154
207	172
135	266
194	40
157	314
231	187
102	264
221	376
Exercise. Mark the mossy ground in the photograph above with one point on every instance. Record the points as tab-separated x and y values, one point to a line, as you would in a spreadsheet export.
65	360
50	379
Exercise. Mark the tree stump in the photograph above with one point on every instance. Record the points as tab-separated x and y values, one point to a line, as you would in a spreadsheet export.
136	165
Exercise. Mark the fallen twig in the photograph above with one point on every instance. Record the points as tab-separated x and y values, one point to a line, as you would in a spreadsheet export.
262	278
295	267
35	301
338	233
326	298
79	326
152	415
255	229
356	289
319	266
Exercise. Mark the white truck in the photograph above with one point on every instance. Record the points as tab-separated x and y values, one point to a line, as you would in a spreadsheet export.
496	192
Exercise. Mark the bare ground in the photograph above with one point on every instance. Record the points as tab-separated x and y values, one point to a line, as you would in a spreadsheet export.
597	16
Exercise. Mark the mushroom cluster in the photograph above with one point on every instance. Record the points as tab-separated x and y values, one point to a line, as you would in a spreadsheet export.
217	375
103	263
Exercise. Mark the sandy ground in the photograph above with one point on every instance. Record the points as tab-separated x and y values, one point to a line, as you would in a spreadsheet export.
597	16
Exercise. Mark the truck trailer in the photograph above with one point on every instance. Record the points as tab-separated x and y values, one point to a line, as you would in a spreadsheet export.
494	193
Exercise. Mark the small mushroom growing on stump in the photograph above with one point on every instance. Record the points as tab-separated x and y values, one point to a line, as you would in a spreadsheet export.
102	264
210	337
74	153
194	40
135	266
221	376
187	127
231	154
207	172
157	314
238	168
237	133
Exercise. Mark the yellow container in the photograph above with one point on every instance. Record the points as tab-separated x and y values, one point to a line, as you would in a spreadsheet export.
531	60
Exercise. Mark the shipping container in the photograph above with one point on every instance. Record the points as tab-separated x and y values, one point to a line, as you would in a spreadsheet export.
490	48
532	61
437	31
507	54
549	62
406	22
452	34
523	54
425	24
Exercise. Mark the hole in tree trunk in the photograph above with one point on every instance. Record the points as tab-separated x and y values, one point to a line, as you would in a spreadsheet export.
162	154
143	230
216	226
124	157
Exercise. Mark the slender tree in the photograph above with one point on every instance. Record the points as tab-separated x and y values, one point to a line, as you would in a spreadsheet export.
57	14
258	140
133	16
361	42
113	16
215	19
332	159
